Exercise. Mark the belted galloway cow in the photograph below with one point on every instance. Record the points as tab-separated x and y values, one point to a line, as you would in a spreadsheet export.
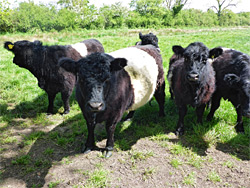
110	84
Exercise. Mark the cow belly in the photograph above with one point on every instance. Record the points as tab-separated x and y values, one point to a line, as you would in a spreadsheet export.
143	72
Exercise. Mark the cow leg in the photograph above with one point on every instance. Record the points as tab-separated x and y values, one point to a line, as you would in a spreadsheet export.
128	116
214	106
65	99
51	98
199	112
90	143
180	125
160	98
239	126
110	128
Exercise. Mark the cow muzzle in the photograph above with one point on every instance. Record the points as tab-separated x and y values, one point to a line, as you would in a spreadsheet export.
193	77
96	106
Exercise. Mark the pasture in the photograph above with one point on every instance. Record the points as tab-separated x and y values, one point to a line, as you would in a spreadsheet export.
37	150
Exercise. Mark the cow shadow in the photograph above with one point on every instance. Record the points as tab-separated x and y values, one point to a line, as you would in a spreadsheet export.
195	137
31	109
67	139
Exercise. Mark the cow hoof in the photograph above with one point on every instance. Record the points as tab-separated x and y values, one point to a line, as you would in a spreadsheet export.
66	111
107	153
179	132
86	150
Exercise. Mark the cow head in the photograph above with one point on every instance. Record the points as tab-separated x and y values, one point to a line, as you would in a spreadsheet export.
195	60
94	77
240	81
148	39
23	51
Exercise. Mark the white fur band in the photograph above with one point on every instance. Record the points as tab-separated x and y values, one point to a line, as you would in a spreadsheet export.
143	72
81	48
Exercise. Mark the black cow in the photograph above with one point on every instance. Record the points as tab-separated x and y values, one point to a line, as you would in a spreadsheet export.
42	62
110	84
191	79
232	70
148	39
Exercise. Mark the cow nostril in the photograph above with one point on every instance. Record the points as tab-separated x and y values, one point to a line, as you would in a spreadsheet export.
96	105
193	77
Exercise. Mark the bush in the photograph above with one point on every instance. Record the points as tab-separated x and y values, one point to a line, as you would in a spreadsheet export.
30	17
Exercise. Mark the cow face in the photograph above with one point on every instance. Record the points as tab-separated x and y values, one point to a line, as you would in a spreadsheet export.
24	52
94	77
195	60
148	39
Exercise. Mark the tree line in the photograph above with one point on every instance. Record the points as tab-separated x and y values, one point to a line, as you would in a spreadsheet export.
79	14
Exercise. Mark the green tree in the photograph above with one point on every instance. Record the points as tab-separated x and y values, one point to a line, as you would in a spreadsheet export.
5	16
223	5
148	7
114	15
178	6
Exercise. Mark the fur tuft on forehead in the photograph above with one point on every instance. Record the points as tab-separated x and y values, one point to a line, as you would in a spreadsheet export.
197	47
96	65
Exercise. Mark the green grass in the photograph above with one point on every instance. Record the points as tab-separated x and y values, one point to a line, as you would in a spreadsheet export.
23	105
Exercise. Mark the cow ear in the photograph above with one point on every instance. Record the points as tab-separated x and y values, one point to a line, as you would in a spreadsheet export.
140	35
232	79
38	43
215	52
69	64
118	64
178	50
9	46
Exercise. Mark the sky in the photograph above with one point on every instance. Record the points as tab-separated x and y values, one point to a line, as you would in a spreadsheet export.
243	5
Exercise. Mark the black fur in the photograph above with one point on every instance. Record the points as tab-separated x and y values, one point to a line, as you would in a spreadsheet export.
148	39
42	62
233	83
104	92
192	80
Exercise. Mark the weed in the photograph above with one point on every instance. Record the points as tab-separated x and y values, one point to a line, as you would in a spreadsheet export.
228	164
176	163
190	179
54	184
48	151
138	155
213	176
148	172
22	160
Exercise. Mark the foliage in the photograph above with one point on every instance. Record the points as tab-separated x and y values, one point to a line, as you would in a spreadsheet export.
76	14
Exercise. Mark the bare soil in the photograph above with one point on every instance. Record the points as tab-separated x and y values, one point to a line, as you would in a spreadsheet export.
68	167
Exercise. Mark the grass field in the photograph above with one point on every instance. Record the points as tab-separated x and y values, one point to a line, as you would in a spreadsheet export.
37	150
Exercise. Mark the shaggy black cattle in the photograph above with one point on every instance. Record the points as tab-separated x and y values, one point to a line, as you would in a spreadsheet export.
42	62
232	70
191	79
148	39
110	84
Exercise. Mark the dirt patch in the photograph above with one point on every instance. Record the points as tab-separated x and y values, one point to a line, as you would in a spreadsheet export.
148	163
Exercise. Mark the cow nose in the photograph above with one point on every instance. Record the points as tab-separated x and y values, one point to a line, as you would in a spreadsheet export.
193	77
95	106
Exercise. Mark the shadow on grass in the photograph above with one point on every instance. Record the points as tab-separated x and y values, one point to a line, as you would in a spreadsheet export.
30	109
196	138
67	139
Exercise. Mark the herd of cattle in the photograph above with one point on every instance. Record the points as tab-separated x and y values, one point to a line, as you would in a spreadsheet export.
109	84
